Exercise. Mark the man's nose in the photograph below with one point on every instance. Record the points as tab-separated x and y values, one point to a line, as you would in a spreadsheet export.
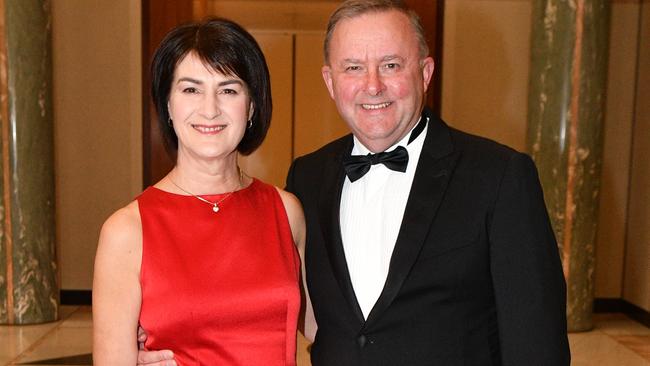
374	83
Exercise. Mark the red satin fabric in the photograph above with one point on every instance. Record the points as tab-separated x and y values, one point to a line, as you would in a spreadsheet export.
219	288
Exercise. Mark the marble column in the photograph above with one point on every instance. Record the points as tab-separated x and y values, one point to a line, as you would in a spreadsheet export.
569	45
28	276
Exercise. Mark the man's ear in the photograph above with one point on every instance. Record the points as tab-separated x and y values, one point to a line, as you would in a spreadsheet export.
326	71
428	66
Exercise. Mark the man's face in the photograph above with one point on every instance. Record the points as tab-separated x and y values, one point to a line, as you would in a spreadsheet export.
376	77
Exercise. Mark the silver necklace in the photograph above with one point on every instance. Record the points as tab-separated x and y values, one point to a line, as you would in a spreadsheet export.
215	205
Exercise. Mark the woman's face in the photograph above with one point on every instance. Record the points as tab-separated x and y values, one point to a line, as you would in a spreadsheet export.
209	110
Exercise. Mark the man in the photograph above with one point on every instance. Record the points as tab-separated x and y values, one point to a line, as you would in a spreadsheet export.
436	249
451	262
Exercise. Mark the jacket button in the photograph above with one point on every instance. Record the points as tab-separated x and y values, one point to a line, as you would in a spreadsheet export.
361	340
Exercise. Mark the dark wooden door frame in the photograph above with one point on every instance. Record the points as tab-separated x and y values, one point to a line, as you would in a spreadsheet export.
431	14
159	16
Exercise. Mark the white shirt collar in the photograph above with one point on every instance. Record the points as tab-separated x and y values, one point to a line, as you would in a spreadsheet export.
360	149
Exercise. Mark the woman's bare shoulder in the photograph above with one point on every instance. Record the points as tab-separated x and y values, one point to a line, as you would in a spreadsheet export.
295	215
291	204
123	229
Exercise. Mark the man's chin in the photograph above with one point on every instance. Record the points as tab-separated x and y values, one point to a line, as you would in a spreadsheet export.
376	142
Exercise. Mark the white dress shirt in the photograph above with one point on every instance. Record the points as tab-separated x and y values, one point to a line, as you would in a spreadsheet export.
371	215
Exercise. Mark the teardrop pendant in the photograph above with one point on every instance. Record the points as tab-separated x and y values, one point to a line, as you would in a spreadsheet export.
215	208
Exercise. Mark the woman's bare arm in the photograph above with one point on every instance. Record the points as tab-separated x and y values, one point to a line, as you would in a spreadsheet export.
297	221
116	289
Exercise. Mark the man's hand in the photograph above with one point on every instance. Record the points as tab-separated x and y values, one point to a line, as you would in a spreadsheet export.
152	358
156	358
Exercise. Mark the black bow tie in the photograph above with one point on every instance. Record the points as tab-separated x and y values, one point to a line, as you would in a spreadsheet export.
356	166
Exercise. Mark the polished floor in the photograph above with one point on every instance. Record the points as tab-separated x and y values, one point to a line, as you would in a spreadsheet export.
616	341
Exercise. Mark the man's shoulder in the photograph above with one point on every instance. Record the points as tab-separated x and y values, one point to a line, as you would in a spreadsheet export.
480	147
310	170
331	150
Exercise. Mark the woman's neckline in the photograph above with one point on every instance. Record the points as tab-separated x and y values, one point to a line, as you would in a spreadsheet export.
253	182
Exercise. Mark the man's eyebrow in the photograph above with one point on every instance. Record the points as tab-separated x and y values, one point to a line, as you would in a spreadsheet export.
385	58
392	58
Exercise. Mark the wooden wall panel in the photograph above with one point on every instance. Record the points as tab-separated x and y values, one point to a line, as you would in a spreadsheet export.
317	121
271	14
271	161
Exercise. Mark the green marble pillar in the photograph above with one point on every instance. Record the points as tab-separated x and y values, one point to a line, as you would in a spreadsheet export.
28	276
569	44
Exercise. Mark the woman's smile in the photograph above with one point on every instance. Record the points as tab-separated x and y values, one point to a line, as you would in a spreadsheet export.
209	129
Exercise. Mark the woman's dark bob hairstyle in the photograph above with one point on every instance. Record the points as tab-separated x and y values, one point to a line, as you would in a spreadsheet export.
225	47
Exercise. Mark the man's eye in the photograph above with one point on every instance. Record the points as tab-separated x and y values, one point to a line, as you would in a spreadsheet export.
353	68
392	66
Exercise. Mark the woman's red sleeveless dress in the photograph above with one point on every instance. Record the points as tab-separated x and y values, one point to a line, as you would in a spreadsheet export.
219	288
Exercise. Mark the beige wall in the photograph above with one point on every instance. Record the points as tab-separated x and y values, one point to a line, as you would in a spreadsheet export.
636	288
484	91
97	117
619	115
485	68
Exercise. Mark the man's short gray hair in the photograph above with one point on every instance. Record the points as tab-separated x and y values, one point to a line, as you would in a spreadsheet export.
354	8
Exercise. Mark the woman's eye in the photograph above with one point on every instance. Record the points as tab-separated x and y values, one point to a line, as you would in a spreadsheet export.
229	91
190	90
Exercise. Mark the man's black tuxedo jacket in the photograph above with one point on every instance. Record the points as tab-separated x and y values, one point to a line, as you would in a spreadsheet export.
475	277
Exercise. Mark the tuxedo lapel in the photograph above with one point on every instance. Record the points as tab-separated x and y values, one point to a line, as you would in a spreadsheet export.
436	163
329	212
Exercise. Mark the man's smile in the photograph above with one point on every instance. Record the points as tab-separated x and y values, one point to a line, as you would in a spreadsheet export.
376	106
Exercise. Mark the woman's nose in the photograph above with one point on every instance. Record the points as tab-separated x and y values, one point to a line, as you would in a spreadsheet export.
210	107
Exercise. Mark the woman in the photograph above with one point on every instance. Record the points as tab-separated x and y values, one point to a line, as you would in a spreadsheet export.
204	260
